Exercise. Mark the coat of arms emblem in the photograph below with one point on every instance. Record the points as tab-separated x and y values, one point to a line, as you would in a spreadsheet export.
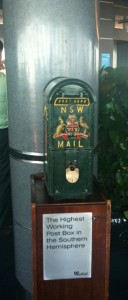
72	127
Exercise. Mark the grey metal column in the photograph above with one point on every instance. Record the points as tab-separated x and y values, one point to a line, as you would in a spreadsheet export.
43	39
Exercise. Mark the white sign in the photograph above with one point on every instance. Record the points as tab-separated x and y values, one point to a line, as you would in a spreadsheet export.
67	245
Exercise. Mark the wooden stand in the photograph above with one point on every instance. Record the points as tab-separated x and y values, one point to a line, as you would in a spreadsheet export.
94	288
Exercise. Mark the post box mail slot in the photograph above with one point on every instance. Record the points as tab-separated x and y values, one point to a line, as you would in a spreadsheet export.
68	138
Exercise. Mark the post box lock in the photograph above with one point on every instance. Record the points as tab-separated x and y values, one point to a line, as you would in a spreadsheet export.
72	173
68	137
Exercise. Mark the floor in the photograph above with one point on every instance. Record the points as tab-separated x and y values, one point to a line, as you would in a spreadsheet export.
8	283
10	289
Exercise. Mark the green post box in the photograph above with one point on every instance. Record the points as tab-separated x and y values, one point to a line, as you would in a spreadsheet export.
68	138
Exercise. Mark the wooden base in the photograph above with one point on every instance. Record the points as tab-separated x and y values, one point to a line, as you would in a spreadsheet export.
94	288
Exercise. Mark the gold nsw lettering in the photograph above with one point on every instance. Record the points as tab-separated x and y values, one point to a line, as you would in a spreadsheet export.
63	109
71	109
80	109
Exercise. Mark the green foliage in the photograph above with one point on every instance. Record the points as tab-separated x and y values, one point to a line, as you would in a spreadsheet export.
113	135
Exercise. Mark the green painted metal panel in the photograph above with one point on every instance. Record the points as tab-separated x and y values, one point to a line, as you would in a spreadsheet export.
68	138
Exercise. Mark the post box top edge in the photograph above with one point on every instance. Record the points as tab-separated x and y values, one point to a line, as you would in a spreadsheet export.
60	82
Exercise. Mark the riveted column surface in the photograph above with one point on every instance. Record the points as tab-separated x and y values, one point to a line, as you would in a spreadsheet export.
43	39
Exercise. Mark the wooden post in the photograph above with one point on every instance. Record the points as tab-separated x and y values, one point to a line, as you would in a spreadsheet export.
93	288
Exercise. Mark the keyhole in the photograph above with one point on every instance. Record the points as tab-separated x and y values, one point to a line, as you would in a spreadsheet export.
72	167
